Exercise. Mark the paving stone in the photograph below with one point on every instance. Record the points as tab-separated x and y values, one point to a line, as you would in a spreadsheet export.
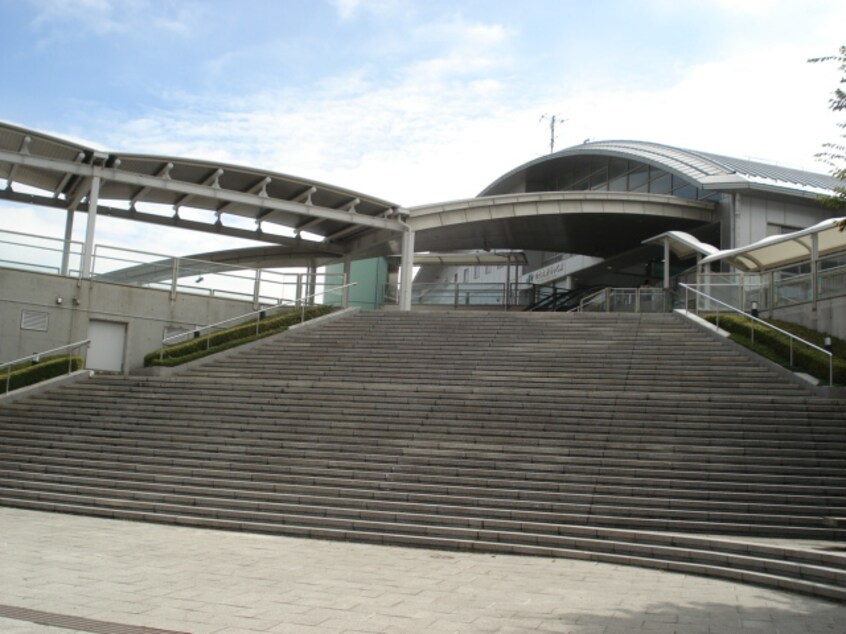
417	590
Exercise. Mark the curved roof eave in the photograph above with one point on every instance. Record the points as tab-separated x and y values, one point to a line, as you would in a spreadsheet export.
63	170
709	171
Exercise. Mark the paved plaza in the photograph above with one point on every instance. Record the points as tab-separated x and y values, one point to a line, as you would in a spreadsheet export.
101	575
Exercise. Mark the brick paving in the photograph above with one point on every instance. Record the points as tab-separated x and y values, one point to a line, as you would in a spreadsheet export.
212	582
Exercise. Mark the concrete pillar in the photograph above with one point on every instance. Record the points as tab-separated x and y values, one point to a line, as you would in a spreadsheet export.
406	269
311	287
66	247
345	294
93	201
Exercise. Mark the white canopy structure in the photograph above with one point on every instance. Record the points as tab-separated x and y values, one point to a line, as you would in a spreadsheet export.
777	251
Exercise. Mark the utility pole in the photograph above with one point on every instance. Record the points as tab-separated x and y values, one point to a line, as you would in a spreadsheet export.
553	119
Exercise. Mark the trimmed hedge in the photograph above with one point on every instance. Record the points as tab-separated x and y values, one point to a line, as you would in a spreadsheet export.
24	375
804	358
229	338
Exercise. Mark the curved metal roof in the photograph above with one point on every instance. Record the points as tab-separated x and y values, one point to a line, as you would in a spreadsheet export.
709	171
63	170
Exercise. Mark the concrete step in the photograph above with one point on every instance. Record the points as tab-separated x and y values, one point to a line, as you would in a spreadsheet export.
621	438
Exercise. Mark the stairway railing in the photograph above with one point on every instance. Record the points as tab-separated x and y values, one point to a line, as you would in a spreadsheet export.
257	314
628	300
752	321
36	357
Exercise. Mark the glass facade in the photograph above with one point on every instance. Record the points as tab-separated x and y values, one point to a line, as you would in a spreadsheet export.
598	173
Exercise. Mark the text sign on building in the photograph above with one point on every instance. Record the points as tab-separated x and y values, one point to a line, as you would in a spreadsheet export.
547	273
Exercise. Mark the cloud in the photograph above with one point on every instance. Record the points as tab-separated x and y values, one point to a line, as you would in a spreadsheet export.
109	17
348	9
455	115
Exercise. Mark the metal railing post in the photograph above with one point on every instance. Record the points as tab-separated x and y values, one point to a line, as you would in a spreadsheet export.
175	276
256	288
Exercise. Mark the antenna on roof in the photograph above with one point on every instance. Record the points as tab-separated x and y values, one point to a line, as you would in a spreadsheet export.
553	119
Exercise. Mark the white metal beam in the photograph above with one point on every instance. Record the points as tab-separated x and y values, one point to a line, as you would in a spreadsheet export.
164	173
23	149
79	192
212	180
258	189
67	176
194	225
183	187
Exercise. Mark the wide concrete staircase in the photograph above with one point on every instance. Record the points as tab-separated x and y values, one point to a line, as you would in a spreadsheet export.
633	439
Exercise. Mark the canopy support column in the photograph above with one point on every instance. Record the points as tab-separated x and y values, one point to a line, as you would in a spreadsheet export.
66	246
345	293
406	270
815	264
666	264
507	279
93	201
311	284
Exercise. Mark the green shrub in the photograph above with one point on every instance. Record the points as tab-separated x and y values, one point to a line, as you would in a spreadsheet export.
230	337
777	346
48	368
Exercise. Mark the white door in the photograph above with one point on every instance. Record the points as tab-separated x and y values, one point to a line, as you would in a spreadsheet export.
108	343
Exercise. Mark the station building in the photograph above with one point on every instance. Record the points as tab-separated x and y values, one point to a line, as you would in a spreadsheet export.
610	214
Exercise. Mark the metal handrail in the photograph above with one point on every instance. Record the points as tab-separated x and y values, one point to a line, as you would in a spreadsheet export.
35	357
584	300
258	314
789	335
638	293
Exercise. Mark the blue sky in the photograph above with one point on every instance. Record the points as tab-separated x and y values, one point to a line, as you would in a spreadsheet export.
420	101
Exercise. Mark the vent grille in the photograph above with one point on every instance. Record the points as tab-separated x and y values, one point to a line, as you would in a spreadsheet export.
34	320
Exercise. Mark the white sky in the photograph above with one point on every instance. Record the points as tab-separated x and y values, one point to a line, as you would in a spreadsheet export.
413	102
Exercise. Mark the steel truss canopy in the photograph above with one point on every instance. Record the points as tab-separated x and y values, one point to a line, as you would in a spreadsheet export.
773	252
67	175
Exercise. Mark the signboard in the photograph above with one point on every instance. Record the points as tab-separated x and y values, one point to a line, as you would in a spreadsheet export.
545	274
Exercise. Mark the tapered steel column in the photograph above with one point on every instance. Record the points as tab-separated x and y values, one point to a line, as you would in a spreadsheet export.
406	270
93	201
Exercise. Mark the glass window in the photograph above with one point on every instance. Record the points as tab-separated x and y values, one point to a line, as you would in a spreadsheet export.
662	182
617	168
833	262
683	189
639	179
599	175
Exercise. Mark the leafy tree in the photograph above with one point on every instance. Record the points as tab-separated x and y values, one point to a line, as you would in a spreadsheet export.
834	154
